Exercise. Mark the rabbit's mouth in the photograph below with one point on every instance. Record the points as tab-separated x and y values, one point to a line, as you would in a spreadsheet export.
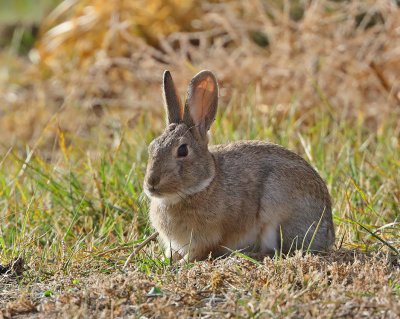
171	198
154	192
165	199
151	191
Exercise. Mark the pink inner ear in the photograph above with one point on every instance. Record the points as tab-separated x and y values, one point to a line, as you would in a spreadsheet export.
207	84
202	99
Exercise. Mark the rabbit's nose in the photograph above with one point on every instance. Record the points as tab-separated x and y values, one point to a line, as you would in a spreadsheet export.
153	180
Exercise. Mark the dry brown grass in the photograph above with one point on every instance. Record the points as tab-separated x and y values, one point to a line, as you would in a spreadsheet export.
347	50
342	56
346	283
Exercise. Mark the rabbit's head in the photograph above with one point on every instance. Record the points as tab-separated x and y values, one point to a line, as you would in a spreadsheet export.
179	162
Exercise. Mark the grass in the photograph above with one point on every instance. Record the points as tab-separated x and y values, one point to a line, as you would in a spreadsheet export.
73	151
72	215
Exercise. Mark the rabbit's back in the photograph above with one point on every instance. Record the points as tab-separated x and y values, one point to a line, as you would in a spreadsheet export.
290	194
261	162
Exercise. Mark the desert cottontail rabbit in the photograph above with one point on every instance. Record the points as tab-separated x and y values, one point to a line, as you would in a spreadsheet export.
248	195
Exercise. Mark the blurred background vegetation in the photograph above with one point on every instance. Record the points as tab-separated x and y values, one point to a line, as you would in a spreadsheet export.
25	11
20	21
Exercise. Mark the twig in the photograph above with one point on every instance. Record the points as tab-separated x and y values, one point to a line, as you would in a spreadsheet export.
139	247
114	250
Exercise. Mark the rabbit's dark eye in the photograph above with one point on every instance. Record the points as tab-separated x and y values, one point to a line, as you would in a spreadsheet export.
182	150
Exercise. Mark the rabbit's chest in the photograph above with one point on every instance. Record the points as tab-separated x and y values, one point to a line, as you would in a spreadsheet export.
185	220
183	223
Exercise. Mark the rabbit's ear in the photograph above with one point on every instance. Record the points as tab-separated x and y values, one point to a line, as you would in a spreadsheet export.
201	101
172	102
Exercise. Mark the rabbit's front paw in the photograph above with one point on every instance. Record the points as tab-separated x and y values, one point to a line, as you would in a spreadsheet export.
172	255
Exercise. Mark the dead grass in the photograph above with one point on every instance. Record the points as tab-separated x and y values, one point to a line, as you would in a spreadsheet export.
347	50
319	78
346	283
341	56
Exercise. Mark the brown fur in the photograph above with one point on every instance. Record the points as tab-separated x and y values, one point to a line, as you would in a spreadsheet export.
243	195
